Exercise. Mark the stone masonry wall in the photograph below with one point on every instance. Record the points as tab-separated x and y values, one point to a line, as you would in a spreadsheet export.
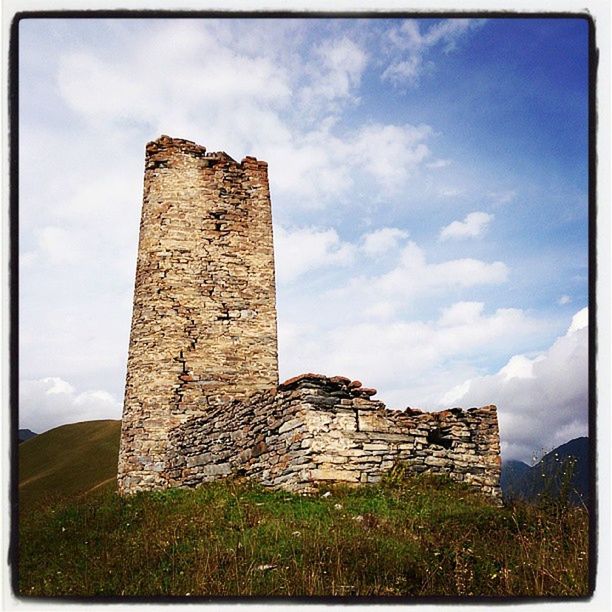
313	429
204	319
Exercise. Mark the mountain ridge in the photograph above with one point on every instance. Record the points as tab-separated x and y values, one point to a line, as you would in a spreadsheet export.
562	471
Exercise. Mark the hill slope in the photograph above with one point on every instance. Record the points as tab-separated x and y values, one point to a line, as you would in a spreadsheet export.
68	461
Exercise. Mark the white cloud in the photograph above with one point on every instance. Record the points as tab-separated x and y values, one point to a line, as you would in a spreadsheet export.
519	366
474	224
390	153
57	386
268	91
279	100
454	395
364	329
579	321
542	401
99	87
245	98
27	259
415	44
409	359
335	72
461	313
383	309
439	163
408	70
564	299
413	274
383	240
222	83
315	168
450	192
51	401
302	250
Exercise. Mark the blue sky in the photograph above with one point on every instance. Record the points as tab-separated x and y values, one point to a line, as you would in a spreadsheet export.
429	185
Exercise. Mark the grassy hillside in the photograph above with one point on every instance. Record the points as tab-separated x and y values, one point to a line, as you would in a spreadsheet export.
417	537
68	461
421	537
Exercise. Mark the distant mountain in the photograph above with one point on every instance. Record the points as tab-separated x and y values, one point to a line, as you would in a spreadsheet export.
68	461
566	468
26	434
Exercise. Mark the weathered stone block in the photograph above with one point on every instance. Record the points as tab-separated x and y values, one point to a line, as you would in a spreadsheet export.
289	425
375	447
374	421
334	474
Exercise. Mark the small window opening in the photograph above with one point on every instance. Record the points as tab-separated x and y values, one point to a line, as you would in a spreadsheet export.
439	437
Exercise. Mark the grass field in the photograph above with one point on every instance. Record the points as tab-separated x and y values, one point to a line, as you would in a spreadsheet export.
417	537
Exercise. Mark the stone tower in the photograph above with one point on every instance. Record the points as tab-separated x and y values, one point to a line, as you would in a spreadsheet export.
204	319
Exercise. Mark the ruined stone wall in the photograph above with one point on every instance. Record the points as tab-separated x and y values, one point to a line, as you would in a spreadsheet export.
315	429
204	319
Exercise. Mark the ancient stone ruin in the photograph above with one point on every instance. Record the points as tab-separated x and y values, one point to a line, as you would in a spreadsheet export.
202	398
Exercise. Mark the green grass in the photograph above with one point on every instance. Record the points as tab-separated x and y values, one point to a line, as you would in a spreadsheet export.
425	536
68	461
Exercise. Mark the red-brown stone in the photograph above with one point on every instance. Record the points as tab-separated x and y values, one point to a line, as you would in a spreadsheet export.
412	411
292	382
343	380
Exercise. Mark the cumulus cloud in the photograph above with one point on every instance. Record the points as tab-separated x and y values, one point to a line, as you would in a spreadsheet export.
302	250
51	401
390	153
362	328
247	98
314	168
101	95
382	240
415	44
334	73
474	224
579	321
250	97
282	94
542	400
414	274
410	359
98	87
